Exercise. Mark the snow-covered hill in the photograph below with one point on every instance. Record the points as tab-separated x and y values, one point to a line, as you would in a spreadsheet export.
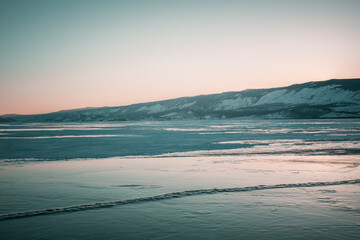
336	98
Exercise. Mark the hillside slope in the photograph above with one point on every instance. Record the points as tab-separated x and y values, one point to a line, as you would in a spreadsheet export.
336	98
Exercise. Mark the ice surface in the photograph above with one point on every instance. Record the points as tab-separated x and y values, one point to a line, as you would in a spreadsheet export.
167	196
181	180
72	136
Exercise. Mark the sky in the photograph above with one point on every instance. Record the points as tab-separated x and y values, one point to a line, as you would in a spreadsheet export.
68	54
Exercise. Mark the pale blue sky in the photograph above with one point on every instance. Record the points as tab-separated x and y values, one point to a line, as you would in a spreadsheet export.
69	54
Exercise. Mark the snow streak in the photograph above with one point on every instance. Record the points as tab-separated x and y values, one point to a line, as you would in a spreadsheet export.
167	196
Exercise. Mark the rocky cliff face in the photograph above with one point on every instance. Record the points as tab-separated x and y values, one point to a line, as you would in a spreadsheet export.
337	98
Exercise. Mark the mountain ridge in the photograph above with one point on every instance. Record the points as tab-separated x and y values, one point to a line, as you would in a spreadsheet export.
334	98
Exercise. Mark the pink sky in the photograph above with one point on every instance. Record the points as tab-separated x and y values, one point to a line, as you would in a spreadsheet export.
114	54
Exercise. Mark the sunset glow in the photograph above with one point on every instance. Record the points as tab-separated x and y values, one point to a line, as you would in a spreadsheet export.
71	54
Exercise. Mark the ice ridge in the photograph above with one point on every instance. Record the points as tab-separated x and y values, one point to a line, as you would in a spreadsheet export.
167	196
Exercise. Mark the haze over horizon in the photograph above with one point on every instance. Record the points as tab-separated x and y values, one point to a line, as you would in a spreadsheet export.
58	55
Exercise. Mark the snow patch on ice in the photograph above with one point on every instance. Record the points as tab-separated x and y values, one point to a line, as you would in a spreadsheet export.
73	136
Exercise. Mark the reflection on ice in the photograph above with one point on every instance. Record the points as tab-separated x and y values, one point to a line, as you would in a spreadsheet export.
282	146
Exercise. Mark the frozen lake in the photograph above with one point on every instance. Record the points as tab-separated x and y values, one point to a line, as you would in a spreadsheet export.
297	179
